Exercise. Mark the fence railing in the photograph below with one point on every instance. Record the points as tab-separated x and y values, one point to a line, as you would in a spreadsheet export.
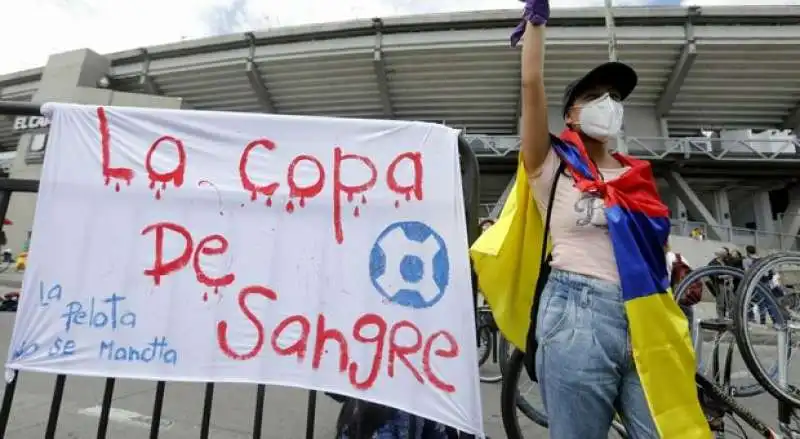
8	186
656	148
739	236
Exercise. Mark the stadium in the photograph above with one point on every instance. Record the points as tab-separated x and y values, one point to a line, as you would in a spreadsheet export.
716	108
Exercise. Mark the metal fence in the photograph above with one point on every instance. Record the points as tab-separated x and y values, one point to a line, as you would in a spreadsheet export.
8	186
786	150
739	236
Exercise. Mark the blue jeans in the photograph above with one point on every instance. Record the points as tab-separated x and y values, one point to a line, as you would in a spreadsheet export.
766	307
584	362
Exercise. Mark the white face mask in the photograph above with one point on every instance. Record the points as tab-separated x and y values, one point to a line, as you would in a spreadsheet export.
601	118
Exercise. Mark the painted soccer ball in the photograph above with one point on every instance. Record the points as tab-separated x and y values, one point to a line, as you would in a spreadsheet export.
409	264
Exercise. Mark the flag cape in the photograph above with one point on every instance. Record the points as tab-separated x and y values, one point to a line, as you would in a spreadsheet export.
506	259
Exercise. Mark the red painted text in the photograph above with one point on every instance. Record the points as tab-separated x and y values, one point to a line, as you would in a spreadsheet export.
344	187
324	341
207	246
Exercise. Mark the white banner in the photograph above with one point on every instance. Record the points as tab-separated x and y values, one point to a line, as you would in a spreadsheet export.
329	254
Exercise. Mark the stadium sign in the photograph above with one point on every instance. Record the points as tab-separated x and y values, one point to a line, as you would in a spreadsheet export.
38	126
24	123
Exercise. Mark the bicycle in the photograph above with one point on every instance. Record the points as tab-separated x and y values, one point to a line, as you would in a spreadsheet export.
720	281
714	400
491	344
717	401
783	310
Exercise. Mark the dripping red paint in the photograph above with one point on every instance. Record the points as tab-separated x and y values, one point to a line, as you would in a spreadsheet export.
341	188
388	355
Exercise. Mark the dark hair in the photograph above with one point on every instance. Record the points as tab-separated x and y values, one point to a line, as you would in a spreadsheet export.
486	221
750	249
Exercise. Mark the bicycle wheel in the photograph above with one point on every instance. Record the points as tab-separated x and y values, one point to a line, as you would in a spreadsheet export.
484	344
720	279
490	347
512	400
491	353
503	352
751	288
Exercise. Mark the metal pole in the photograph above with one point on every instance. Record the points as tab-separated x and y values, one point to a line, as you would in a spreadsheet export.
612	34
15	108
621	146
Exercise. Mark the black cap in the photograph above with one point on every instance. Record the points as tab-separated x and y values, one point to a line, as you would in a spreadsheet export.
619	76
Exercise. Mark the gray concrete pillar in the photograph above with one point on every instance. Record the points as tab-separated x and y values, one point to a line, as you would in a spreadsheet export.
693	204
722	207
762	210
663	127
790	222
681	215
67	77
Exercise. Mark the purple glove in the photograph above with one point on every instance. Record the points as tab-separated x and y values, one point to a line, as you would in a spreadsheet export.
537	12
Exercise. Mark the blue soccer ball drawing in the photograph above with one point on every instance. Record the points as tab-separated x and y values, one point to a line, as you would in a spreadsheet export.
409	265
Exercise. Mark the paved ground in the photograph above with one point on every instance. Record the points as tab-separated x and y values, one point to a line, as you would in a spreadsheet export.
233	409
9	278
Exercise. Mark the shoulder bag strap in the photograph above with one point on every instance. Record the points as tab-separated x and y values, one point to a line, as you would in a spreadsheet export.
549	214
544	270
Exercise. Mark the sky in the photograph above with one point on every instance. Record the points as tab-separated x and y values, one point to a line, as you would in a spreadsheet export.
32	29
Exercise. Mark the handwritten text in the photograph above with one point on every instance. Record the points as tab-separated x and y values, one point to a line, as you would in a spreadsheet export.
343	186
98	314
157	350
441	344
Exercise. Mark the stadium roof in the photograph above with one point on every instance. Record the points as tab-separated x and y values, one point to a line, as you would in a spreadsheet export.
715	67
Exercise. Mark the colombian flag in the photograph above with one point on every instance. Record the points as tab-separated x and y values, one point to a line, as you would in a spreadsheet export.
506	258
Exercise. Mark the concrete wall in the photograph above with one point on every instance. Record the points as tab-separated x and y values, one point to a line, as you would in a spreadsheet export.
67	77
698	253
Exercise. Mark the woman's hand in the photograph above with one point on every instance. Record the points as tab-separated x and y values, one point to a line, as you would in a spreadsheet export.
536	12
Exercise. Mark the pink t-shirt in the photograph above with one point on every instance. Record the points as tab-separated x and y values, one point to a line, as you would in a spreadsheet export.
578	226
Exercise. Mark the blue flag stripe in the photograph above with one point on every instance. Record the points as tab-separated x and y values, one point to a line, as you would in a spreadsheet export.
640	258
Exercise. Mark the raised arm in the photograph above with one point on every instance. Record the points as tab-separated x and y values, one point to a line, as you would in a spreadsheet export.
534	131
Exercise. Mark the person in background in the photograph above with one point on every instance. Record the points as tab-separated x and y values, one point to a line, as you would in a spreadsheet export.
736	260
721	257
360	419
717	283
760	307
678	268
750	258
486	223
697	233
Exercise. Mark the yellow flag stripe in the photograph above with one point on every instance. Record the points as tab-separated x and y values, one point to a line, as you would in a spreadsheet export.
662	347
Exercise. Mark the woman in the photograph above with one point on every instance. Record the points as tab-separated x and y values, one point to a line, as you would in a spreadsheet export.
608	230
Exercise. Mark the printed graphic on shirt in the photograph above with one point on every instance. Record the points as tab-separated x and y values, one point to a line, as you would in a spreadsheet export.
591	211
